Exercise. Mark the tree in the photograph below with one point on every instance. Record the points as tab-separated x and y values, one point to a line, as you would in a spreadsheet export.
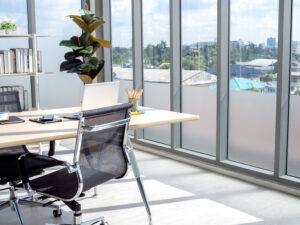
297	92
268	78
254	89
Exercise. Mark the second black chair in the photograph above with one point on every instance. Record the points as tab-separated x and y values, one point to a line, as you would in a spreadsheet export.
9	173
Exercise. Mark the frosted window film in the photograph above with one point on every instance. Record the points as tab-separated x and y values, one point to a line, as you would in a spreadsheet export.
252	128
199	135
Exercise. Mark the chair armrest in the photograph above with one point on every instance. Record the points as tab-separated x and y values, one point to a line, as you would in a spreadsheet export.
31	161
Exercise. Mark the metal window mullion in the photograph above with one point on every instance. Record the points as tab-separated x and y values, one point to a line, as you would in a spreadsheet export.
223	78
175	69
32	30
84	3
107	52
137	52
283	86
103	9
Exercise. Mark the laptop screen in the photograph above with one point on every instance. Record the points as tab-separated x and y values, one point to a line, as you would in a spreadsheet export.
100	95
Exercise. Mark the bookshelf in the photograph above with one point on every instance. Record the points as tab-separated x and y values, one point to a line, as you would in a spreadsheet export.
23	74
22	35
35	72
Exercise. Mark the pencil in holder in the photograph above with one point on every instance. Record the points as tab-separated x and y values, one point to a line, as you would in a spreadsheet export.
133	96
135	102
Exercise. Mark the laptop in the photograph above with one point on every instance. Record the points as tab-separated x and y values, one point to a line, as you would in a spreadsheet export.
98	95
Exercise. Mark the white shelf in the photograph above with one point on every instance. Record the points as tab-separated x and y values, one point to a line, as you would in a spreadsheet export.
34	64
23	74
22	35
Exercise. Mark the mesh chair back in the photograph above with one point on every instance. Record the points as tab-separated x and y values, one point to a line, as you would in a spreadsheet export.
102	156
10	102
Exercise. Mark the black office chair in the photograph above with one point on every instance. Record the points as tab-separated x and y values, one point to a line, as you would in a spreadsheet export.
101	154
9	172
10	102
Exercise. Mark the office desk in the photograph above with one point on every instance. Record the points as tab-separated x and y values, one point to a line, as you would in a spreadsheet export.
30	132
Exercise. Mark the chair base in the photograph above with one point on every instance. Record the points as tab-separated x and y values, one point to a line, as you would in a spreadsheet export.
77	221
14	203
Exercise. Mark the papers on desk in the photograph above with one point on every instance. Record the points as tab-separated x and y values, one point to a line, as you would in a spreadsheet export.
139	112
4	116
12	120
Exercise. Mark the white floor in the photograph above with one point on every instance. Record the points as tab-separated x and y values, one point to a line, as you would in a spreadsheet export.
188	198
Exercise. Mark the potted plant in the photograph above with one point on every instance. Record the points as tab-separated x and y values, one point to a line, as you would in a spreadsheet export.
80	60
8	26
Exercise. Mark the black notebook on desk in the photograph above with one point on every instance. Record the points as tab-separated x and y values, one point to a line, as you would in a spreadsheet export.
12	120
39	120
72	116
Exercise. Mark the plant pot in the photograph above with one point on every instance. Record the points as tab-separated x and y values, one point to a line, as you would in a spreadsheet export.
85	78
7	31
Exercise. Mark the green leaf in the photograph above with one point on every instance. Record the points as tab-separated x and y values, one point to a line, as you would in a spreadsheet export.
70	64
84	38
77	48
94	61
72	55
66	43
87	50
72	43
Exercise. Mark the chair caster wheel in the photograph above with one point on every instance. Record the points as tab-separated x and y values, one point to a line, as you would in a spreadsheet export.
57	213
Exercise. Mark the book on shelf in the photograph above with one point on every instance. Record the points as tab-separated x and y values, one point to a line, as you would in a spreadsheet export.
22	60
1	63
12	61
30	66
19	60
25	60
6	56
39	61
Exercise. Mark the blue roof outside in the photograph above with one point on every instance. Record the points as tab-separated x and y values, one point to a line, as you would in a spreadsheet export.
243	84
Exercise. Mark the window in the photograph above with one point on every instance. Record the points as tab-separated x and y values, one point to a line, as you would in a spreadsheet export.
253	75
51	19
294	123
199	78
157	63
16	11
122	47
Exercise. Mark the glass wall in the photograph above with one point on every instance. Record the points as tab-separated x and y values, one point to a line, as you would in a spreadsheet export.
253	82
199	78
16	12
156	34
294	119
51	19
122	47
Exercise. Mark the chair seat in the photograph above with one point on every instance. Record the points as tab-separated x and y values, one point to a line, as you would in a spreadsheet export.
9	170
61	184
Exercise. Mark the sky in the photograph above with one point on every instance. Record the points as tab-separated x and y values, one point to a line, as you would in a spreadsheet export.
199	21
251	20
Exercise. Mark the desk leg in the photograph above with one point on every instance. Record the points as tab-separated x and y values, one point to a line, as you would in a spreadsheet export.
40	149
137	175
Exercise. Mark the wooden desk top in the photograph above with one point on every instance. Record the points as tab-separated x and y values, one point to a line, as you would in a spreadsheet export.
30	132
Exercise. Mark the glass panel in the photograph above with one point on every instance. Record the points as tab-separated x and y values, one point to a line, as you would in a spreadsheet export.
16	11
294	123
122	47
157	63
65	89
199	78
253	75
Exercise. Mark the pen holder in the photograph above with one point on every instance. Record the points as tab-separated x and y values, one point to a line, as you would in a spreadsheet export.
135	102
